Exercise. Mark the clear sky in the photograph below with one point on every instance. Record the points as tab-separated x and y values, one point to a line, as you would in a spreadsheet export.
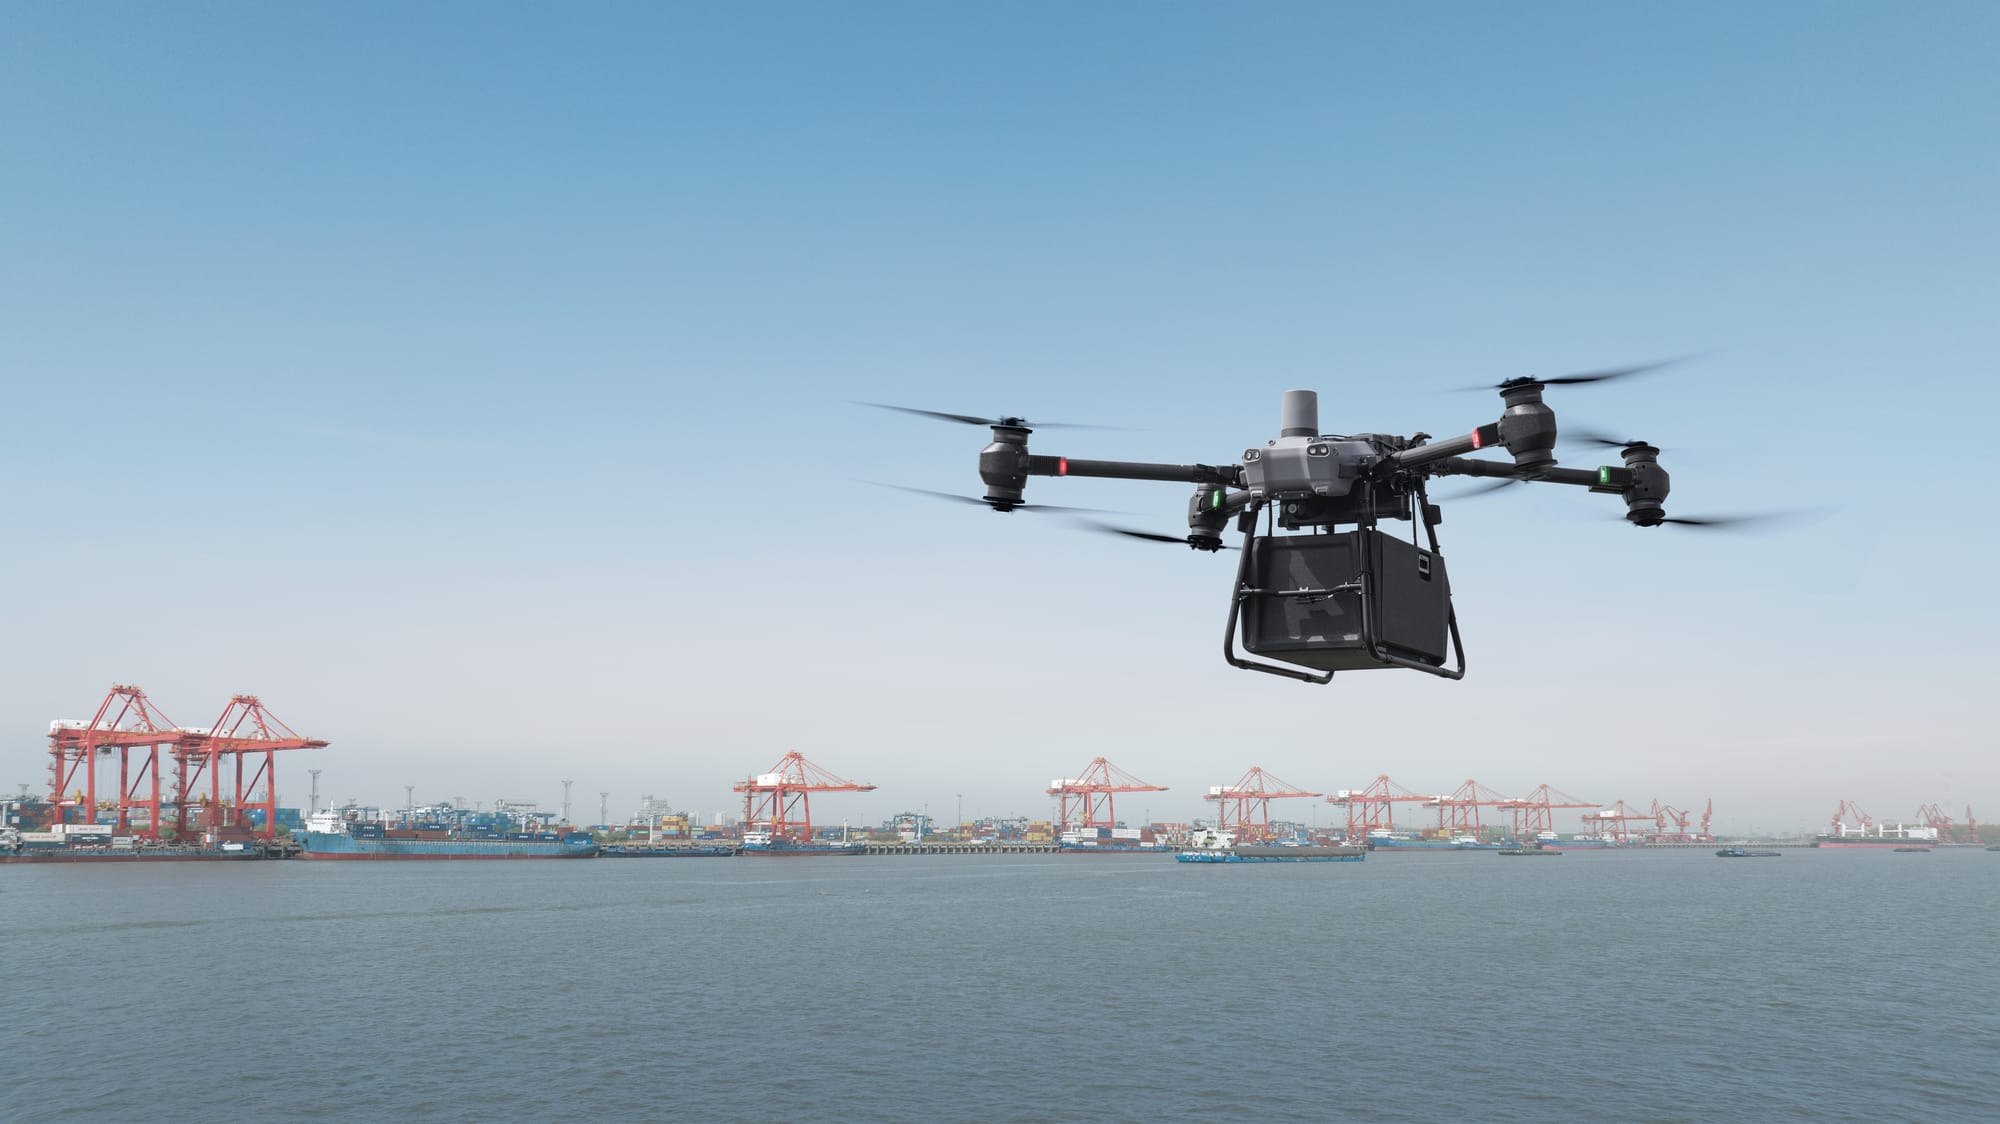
472	381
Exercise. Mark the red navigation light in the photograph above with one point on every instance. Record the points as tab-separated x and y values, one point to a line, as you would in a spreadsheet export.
1062	466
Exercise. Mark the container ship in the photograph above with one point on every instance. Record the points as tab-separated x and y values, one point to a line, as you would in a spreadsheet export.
327	836
765	843
1111	841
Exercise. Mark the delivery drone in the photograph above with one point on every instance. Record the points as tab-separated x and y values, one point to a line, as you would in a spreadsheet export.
1334	591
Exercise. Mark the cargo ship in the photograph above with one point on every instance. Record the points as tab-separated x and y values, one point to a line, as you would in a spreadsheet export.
1550	841
765	843
667	851
1111	841
1873	842
1389	841
87	843
327	836
1205	846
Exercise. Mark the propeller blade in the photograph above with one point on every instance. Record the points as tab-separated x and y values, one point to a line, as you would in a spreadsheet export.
1745	521
1597	437
1581	377
1484	489
1147	536
968	419
965	418
1721	520
956	498
1607	374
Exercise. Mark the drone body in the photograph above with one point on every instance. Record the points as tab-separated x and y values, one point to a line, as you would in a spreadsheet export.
1324	587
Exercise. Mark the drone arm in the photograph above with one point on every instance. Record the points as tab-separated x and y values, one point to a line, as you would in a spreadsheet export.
1604	479
1485	437
1134	470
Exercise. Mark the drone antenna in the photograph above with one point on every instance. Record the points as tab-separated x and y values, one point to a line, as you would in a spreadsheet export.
1299	416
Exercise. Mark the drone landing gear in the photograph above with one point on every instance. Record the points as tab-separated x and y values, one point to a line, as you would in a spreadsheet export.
1345	601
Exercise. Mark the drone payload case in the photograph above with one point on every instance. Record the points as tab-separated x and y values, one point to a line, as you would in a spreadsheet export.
1307	608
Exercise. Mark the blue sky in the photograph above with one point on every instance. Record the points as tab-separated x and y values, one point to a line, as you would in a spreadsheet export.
472	381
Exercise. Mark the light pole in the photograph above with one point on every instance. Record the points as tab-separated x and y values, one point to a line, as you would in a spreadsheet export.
960	829
409	803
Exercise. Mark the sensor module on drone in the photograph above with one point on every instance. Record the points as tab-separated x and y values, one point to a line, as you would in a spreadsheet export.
1335	591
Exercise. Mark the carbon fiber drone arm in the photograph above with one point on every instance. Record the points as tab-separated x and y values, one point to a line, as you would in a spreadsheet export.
1604	479
1135	470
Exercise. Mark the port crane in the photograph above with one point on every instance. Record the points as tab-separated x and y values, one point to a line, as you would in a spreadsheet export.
1372	807
245	730
1086	800
1933	817
1458	811
144	739
1244	808
1611	822
1840	815
1665	815
781	797
1534	814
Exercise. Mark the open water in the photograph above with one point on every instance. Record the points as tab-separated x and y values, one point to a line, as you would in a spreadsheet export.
1646	986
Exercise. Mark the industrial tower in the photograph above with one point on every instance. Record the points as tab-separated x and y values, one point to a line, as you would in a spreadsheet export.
1090	795
781	799
1245	807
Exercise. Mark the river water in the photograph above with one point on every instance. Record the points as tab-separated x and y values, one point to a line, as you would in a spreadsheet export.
1643	985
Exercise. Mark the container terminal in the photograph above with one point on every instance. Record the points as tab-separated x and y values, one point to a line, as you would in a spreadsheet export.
129	785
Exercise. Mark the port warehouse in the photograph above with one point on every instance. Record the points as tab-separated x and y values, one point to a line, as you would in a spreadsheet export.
219	782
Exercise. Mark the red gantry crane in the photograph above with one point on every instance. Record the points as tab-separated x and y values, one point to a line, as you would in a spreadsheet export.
1245	807
1372	808
244	732
1458	813
781	800
128	724
1089	796
1534	814
1611	823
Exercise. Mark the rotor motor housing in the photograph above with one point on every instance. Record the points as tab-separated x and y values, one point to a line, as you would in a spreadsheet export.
1309	611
